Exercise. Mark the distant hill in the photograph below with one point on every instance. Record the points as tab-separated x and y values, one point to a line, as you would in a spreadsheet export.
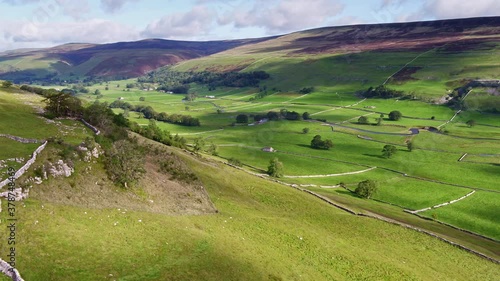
116	60
132	59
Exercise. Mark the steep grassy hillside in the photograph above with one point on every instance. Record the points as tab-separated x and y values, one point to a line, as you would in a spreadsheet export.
263	231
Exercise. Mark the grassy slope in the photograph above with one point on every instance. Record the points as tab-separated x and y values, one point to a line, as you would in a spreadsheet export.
255	236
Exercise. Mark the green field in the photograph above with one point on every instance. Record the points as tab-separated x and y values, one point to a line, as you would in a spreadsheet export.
434	158
477	213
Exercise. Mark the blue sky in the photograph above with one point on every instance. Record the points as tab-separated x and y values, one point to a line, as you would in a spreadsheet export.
44	23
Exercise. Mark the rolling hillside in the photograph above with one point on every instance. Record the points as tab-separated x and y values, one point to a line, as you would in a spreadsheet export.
84	228
426	59
117	60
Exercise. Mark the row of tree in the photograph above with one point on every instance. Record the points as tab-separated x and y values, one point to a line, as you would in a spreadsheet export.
149	113
178	82
274	116
382	92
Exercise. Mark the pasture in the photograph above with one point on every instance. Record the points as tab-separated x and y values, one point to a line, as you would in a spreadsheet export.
356	147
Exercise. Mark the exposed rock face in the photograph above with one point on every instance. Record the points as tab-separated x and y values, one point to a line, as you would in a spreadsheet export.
90	151
18	194
60	168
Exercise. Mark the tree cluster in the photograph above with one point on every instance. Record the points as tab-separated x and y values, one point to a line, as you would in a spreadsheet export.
178	82
152	131
274	116
306	90
150	113
318	143
382	92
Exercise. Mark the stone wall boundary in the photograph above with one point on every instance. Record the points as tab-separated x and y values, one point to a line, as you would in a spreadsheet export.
10	271
26	166
94	129
20	139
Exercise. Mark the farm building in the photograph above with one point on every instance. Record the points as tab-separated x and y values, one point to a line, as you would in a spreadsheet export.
268	149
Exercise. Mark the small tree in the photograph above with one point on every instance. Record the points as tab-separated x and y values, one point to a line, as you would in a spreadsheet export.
389	150
6	84
471	123
125	162
235	162
306	116
242	118
318	143
199	143
212	149
305	130
395	115
97	92
379	121
363	120
275	168
409	145
142	99
366	189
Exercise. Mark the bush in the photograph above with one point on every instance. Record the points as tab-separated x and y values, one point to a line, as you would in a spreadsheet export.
395	115
389	150
6	84
363	120
235	162
318	143
124	162
366	189
242	118
275	168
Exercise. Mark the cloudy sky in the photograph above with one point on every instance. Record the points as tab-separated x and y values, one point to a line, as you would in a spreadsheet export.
43	23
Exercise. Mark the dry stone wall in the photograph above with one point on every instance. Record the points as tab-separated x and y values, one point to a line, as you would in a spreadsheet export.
94	129
26	166
10	271
20	139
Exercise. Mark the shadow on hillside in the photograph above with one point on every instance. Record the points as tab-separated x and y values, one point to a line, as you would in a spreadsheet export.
375	156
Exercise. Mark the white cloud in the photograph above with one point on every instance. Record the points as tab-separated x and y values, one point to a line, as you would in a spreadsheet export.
196	22
443	9
20	2
88	31
283	15
112	6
